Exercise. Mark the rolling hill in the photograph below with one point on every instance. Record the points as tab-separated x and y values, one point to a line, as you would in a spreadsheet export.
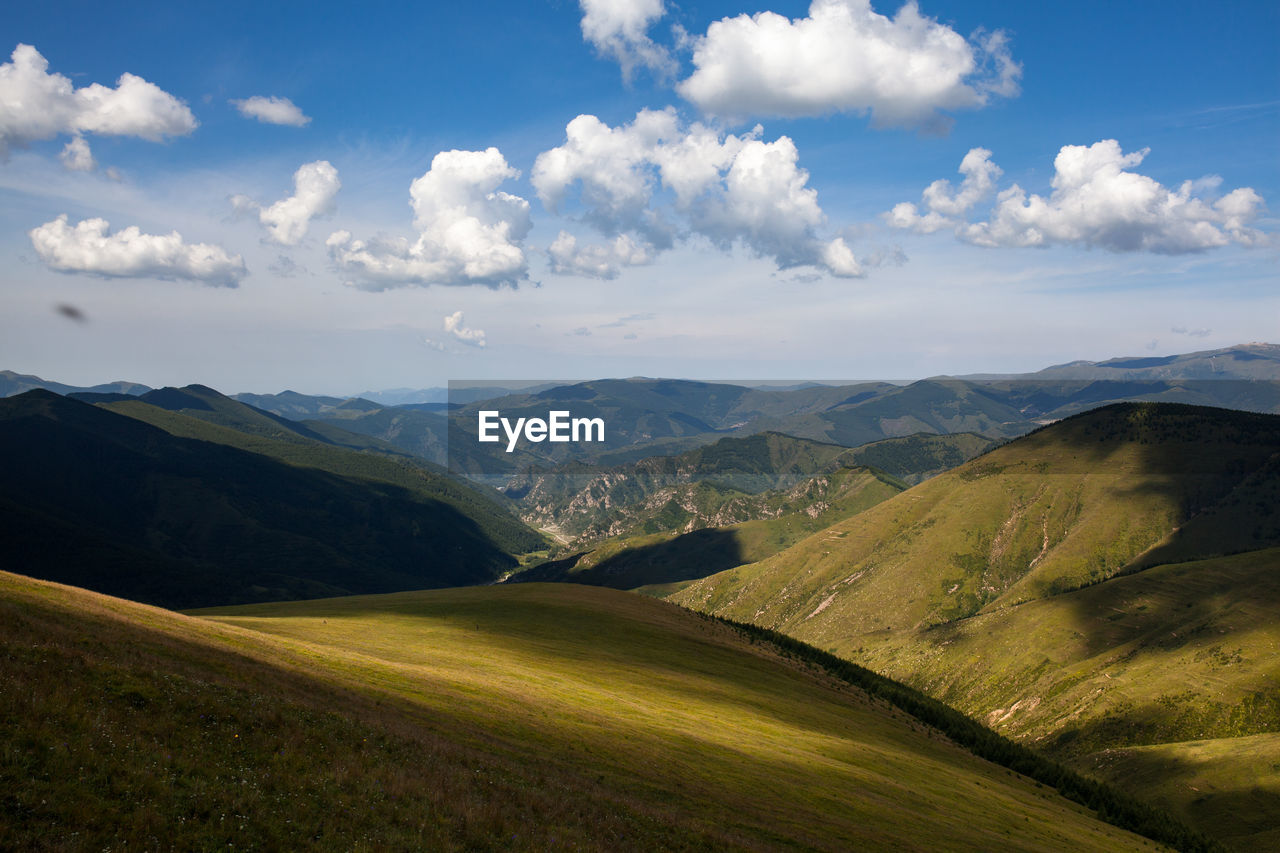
514	718
201	413
1077	589
108	502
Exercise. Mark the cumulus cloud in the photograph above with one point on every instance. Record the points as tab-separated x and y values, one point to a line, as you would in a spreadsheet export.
612	170
764	201
595	260
272	110
471	337
845	57
730	189
87	248
617	29
945	207
35	105
314	187
1097	202
469	231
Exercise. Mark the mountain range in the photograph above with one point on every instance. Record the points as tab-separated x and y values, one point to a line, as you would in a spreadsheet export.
645	417
1073	587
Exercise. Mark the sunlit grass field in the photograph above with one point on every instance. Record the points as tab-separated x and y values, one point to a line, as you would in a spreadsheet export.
527	717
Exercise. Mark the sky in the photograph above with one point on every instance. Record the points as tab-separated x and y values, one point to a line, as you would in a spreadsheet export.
336	199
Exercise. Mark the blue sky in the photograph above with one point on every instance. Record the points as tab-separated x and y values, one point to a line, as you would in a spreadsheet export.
414	193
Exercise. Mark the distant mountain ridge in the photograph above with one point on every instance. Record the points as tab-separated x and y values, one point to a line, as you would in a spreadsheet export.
17	383
1243	361
664	417
1256	360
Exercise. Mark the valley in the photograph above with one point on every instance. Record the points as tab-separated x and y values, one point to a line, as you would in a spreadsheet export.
1100	589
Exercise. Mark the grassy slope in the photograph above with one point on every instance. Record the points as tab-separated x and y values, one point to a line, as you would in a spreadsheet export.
1159	660
534	717
1232	784
951	585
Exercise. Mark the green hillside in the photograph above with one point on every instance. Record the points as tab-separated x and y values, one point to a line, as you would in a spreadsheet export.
512	718
110	503
1020	587
915	458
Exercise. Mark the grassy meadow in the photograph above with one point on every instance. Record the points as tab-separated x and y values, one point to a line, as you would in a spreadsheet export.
528	717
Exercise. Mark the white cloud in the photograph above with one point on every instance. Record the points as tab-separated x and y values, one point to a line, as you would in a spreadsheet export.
471	337
838	258
765	202
595	260
87	248
845	57
35	105
314	187
612	169
947	208
729	189
1192	333
616	28
1096	202
469	232
272	110
76	155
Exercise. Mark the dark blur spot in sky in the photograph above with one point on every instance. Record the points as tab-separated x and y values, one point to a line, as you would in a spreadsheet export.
71	312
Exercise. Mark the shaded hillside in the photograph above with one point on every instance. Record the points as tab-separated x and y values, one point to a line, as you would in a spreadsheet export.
527	718
107	502
348	455
422	434
963	586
